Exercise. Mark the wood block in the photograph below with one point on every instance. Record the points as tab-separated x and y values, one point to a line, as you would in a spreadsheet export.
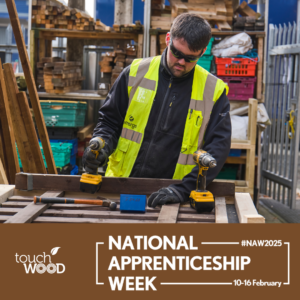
245	10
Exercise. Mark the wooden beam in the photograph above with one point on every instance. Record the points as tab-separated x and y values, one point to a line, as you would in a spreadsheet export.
168	213
21	137
11	162
78	34
153	46
31	211
3	178
85	131
39	118
31	133
114	185
246	210
140	46
220	210
6	191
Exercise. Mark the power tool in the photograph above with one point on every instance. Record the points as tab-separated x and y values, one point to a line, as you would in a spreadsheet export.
91	183
200	196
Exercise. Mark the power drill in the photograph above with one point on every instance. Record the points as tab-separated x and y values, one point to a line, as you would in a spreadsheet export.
91	183
200	196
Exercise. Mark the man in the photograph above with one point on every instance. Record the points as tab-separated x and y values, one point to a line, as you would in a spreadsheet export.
160	111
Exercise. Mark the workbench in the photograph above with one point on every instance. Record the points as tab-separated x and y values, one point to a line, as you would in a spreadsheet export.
17	202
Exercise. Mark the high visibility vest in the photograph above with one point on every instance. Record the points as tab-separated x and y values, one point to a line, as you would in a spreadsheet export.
142	87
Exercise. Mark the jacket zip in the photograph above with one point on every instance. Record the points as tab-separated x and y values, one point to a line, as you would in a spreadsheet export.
157	123
169	113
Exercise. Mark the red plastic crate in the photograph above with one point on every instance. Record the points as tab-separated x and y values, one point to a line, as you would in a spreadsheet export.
235	66
240	88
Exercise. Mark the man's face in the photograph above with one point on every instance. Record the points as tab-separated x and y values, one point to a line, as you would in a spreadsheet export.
178	65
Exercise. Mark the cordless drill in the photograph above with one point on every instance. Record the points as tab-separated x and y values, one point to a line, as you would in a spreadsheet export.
201	199
91	183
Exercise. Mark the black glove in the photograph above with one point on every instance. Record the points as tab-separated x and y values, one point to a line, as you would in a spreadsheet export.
163	196
91	163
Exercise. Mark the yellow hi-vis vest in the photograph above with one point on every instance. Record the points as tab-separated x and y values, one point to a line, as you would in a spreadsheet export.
142	87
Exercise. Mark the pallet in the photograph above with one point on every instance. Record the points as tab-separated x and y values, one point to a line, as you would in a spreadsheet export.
19	207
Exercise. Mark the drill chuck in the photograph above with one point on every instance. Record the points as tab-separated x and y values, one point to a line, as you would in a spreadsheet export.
96	143
204	159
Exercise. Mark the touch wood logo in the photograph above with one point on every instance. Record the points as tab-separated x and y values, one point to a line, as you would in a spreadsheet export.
41	263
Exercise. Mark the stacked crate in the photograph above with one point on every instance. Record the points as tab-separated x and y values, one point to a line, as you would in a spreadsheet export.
239	74
206	59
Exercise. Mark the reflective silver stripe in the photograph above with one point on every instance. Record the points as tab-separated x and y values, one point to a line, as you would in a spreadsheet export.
131	135
196	105
208	97
186	159
139	79
131	80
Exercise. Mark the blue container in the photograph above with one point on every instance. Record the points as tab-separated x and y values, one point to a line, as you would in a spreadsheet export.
73	160
133	203
74	142
74	171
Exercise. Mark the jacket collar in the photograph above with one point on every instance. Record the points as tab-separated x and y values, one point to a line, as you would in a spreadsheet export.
166	71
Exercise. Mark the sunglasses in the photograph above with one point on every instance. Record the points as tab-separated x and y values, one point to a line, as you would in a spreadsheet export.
179	55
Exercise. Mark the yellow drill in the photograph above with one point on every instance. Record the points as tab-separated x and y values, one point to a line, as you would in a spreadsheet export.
91	183
200	196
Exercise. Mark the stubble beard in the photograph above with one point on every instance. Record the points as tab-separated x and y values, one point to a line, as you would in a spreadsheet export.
177	73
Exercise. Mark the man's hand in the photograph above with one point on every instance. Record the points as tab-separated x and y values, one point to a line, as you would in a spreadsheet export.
91	163
163	196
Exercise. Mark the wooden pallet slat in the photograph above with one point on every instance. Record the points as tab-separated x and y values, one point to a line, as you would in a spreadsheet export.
34	98
220	210
31	211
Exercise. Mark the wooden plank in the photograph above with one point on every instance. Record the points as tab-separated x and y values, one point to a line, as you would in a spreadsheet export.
260	52
140	46
11	163
5	192
153	46
43	134
245	10
246	210
33	58
3	178
220	210
77	220
31	211
84	132
168	213
114	185
31	133
21	137
21	202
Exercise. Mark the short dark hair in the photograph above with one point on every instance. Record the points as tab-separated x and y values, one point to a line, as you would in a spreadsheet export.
193	28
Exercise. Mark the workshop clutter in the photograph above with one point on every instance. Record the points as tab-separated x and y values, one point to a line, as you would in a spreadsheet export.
112	64
53	14
58	76
64	113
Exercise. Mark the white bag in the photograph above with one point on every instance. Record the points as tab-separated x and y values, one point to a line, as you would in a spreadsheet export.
232	46
239	127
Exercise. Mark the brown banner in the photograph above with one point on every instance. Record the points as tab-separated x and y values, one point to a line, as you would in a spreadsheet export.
90	261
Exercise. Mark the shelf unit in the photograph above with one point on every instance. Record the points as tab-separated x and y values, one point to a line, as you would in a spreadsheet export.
41	41
247	185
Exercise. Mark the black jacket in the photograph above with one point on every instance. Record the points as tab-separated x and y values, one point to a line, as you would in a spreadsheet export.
162	141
